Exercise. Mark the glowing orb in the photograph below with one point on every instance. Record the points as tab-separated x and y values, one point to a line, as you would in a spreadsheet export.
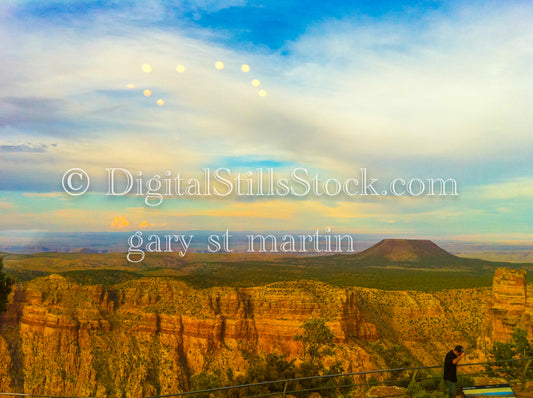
147	68
180	68
160	102
262	93
147	93
130	85
256	83
245	68
219	65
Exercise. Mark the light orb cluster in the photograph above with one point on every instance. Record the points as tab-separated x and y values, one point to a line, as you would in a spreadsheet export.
219	65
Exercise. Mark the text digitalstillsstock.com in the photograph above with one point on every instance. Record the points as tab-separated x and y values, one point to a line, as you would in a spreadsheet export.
139	244
263	183
225	183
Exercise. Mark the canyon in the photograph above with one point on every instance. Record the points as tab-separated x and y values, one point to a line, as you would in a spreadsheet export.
149	336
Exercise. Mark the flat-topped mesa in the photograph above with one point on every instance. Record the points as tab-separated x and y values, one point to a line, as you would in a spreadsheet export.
511	306
408	250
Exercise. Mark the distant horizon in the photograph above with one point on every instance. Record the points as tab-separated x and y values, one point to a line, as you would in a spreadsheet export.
26	242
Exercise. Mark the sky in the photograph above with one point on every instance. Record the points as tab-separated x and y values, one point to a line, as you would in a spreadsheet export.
421	89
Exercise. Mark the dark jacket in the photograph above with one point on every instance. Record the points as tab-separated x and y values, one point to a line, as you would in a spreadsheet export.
450	369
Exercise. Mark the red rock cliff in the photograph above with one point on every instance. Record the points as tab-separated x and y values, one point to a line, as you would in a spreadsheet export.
511	305
149	336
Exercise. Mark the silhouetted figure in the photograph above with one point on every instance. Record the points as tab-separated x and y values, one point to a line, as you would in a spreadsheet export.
450	369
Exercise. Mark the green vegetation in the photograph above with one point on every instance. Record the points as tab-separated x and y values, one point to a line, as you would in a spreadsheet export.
317	338
23	275
396	356
432	386
518	346
100	276
389	265
418	390
336	272
207	381
277	367
5	286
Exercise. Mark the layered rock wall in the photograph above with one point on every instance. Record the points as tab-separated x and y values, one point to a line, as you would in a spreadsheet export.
511	305
149	336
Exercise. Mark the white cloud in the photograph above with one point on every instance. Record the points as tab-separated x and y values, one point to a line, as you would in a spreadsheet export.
448	86
455	86
44	194
521	188
387	95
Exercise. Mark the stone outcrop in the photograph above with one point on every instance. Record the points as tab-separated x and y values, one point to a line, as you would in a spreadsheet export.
511	305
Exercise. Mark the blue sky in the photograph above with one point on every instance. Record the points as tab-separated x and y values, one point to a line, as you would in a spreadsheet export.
258	23
405	89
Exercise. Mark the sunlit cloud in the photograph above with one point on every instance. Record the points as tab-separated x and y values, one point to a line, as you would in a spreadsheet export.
120	222
44	194
6	205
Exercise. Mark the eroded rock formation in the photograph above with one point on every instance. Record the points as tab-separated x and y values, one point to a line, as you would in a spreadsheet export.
149	336
511	305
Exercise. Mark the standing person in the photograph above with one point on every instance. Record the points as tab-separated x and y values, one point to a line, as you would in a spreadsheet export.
450	369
